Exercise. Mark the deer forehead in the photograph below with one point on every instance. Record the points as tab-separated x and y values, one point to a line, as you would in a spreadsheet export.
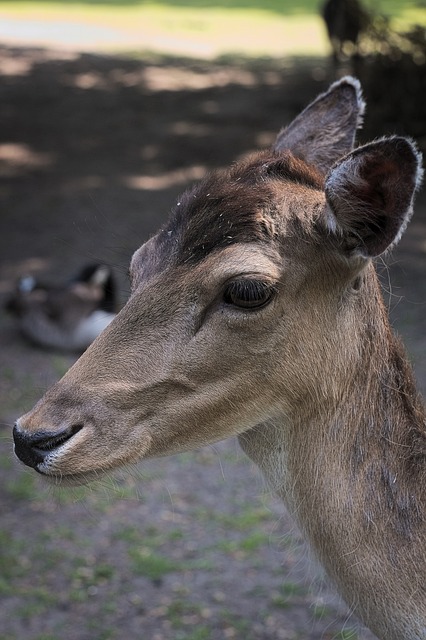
268	261
256	204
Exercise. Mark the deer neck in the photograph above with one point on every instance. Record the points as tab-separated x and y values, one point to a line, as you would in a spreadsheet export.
352	472
352	469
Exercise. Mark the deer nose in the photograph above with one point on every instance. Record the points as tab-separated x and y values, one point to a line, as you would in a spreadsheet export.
33	448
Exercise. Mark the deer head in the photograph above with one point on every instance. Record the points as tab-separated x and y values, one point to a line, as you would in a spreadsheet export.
241	306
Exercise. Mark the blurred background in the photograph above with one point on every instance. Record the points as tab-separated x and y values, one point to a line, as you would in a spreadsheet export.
108	110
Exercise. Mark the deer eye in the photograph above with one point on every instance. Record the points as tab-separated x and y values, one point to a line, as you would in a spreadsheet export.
248	294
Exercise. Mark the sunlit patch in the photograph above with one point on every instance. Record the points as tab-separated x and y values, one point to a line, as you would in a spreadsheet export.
184	128
158	79
165	180
17	156
196	78
15	66
23	60
90	80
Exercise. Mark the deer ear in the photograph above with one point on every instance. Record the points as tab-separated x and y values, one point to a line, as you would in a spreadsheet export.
325	130
370	194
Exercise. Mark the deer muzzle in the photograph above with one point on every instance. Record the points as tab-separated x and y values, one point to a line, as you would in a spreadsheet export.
33	448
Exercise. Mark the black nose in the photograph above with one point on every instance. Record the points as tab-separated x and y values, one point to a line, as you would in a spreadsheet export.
32	448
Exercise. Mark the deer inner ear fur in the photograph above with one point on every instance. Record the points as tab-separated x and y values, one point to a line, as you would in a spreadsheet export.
325	130
370	194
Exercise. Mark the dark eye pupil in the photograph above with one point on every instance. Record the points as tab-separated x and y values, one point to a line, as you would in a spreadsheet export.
248	294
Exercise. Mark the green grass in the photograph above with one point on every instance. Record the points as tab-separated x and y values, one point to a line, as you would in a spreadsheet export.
18	390
23	487
60	363
321	611
179	608
280	7
247	545
150	537
239	626
347	634
35	602
288	592
12	564
247	518
200	633
204	28
152	565
84	578
198	32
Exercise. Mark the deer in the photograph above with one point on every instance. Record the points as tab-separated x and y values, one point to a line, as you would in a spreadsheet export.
256	311
346	21
66	316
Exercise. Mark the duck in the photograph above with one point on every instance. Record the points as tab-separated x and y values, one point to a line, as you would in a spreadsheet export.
68	316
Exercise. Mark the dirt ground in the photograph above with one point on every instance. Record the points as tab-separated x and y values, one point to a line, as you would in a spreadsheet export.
94	151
